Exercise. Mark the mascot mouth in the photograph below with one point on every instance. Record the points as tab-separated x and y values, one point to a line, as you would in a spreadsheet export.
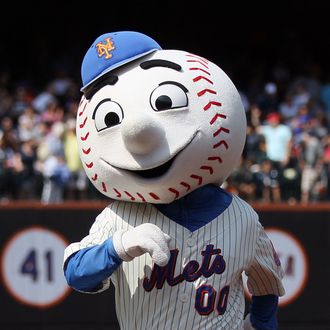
150	173
154	172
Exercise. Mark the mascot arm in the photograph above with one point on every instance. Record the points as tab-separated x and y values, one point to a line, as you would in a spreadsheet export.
265	283
86	269
262	314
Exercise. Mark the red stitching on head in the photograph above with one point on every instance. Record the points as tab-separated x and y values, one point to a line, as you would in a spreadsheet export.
141	197
185	184
220	143
104	187
84	123
216	116
208	106
86	151
118	194
154	196
174	191
204	70
197	177
221	129
200	69
89	165
207	168
129	195
197	61
94	178
202	77
84	138
199	57
82	111
215	158
206	90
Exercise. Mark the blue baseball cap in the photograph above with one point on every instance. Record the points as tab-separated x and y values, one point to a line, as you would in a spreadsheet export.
111	50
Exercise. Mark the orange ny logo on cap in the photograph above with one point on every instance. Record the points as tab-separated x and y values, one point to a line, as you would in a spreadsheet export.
104	48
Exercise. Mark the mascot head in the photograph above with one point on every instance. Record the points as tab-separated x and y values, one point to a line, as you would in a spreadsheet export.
153	125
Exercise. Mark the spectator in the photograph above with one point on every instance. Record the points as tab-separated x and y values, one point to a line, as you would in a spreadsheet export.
324	182
53	113
268	101
28	179
12	167
310	158
287	109
242	182
77	186
43	99
300	94
27	121
325	98
254	145
56	175
6	102
255	115
9	130
267	183
278	138
20	103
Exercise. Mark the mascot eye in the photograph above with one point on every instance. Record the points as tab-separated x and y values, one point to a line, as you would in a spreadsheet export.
169	95
107	114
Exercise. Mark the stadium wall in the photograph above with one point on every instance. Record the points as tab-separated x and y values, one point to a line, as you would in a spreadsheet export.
34	294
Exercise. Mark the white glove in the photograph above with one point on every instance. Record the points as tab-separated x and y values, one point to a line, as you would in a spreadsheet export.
141	239
247	323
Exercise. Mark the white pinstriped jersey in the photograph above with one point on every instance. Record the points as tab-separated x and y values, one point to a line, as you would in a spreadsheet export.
201	287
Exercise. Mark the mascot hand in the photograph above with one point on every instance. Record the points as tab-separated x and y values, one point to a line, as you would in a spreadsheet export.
247	323
141	239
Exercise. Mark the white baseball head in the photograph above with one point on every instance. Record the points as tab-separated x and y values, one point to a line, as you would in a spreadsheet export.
158	124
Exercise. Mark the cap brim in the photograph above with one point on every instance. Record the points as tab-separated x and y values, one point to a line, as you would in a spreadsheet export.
116	66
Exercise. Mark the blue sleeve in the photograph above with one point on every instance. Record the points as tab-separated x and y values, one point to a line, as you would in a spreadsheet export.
263	312
86	269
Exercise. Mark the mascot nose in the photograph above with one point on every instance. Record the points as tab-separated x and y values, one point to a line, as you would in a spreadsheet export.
141	135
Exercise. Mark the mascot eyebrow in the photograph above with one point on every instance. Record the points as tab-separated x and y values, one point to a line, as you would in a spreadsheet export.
111	79
107	79
163	63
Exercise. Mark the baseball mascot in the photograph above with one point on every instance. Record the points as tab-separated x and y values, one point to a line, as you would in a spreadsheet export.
159	131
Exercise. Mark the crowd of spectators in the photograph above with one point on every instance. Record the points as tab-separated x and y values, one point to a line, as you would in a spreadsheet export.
39	157
286	157
287	151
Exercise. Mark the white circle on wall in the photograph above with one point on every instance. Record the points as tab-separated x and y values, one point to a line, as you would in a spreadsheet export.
31	267
294	262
